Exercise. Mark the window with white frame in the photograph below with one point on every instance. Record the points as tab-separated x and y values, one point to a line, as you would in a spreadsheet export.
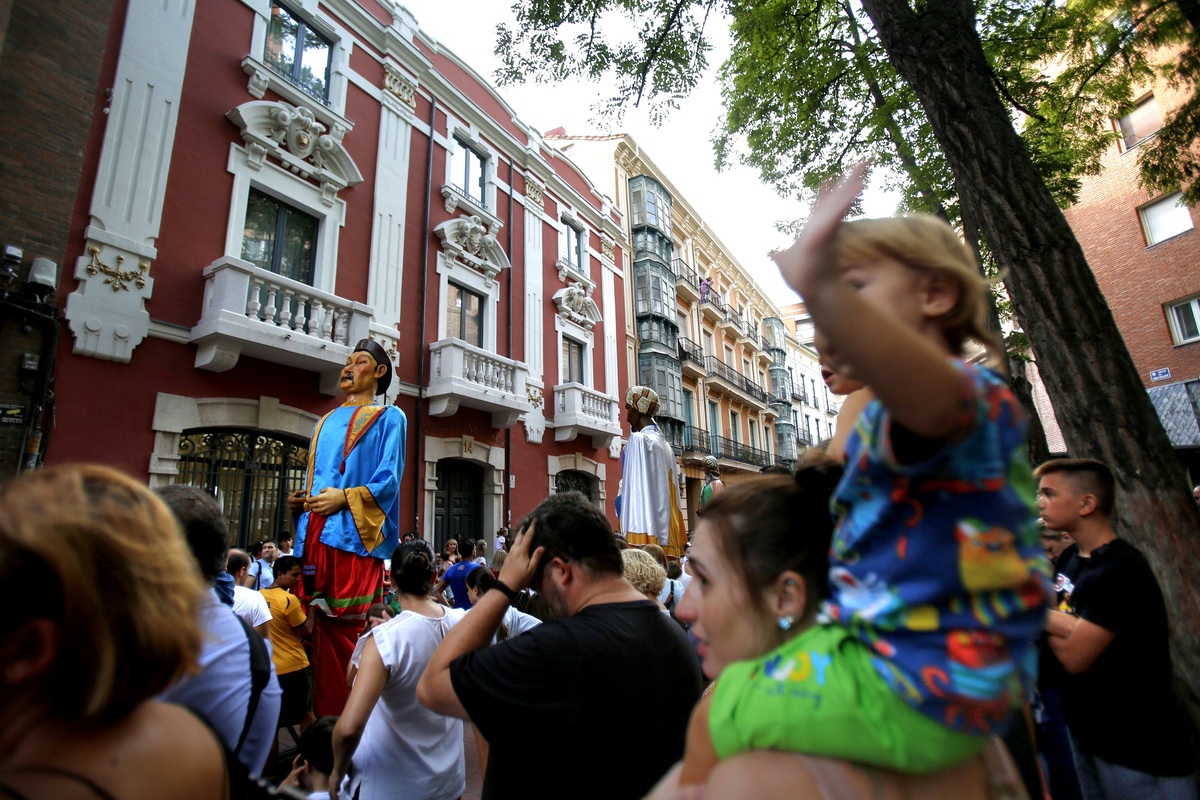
297	52
573	361
280	238
1184	319
735	425
1165	217
573	247
282	223
468	171
464	314
1141	123
753	434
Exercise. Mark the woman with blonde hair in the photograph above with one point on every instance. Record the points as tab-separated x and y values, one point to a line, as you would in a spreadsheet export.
646	574
106	620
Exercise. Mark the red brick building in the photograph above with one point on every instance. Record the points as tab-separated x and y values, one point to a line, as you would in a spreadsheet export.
1144	250
265	182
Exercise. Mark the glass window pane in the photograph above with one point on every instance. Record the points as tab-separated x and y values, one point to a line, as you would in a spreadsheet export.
454	312
1185	322
299	246
1141	122
314	65
281	41
1165	218
476	176
258	237
473	318
642	294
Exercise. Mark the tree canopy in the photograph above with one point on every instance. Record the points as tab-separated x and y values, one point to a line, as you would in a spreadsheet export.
809	89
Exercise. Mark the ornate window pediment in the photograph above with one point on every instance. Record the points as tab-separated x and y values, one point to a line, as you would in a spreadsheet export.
293	137
467	240
575	304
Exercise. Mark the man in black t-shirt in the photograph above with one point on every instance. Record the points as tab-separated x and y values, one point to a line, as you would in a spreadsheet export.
1110	635
592	704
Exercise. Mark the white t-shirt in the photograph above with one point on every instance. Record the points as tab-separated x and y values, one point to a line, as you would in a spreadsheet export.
517	622
670	585
250	606
407	750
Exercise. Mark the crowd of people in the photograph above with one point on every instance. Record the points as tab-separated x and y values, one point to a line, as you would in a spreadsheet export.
869	625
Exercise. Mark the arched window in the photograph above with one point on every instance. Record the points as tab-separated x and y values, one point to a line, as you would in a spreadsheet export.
251	473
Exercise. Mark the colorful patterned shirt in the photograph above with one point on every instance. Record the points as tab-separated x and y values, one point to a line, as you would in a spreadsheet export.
936	565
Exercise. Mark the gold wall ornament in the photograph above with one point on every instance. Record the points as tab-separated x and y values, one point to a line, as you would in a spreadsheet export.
535	396
115	277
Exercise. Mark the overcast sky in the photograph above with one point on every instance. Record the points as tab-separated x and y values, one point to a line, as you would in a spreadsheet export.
735	204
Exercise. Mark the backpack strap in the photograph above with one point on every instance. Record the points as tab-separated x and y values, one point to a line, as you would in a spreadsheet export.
671	597
260	676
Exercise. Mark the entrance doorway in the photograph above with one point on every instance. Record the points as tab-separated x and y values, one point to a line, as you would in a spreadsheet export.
458	502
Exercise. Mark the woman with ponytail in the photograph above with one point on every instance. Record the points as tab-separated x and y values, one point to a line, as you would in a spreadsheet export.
387	745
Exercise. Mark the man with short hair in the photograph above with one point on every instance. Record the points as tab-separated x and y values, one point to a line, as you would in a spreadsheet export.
610	669
456	577
289	625
247	603
223	691
261	573
1110	635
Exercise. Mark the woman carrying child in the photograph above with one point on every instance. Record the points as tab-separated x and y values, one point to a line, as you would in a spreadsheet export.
937	590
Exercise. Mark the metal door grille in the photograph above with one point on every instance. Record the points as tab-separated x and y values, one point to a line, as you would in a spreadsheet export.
251	474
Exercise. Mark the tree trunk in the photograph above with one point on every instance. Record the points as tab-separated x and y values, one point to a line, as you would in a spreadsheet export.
1099	399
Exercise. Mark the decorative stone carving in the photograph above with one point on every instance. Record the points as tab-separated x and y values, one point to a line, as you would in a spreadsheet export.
292	136
607	246
467	240
109	317
399	84
575	304
260	81
535	426
535	396
614	448
534	193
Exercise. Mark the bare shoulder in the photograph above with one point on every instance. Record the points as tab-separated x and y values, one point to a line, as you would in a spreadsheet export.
762	774
165	734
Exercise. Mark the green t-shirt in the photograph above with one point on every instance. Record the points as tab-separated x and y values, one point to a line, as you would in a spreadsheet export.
819	693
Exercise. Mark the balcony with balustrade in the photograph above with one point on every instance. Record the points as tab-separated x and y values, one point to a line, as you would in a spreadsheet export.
580	410
713	308
724	447
750	338
696	444
462	374
731	379
687	281
254	312
803	438
691	358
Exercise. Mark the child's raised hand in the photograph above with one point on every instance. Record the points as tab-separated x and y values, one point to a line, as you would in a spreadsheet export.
806	263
